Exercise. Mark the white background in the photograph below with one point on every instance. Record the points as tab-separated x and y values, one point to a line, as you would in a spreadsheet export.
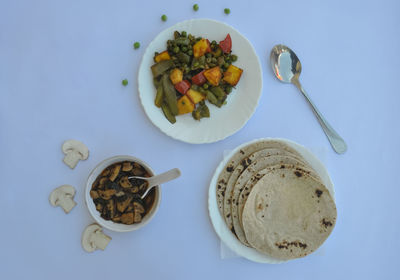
61	66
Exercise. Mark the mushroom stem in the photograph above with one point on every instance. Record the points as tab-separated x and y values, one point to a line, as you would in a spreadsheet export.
72	158
67	204
101	240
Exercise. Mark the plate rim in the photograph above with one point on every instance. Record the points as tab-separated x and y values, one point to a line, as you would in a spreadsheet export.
216	217
216	139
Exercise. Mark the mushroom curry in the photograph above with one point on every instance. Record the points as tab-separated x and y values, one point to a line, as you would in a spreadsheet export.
117	197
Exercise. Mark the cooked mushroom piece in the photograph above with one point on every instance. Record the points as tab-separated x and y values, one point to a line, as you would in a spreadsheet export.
94	194
115	172
127	166
107	194
127	218
121	206
125	183
93	238
137	218
74	151
138	207
63	196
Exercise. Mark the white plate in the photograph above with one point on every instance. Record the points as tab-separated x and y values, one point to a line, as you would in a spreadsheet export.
218	221
241	103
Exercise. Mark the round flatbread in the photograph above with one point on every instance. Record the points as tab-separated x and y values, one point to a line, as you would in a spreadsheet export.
276	161
228	201
237	157
288	214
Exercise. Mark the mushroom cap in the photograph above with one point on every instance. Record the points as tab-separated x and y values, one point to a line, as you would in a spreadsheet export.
59	192
77	146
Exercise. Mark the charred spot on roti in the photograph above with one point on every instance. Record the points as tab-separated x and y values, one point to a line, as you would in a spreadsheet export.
223	193
326	223
297	173
233	231
242	152
228	215
245	163
229	168
282	166
285	244
318	192
219	187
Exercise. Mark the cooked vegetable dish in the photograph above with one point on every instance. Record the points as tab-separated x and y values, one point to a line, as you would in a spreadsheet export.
117	197
191	71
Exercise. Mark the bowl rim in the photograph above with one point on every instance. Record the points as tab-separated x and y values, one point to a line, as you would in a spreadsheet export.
108	224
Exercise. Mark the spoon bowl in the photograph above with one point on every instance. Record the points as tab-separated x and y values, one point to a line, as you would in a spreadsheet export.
287	68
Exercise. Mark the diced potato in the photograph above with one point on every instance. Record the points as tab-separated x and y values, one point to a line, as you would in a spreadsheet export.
176	76
195	96
185	105
213	75
201	47
232	75
162	56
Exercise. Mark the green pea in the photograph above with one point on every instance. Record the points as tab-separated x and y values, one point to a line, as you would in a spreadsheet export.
164	18
227	11
176	49
226	65
125	82
214	42
234	57
208	59
183	34
184	49
190	52
136	45
196	63
196	7
205	86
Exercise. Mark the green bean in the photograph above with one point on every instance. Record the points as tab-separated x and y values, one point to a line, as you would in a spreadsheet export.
170	94
167	113
182	41
211	97
159	96
221	102
218	92
196	114
160	67
156	82
184	58
204	111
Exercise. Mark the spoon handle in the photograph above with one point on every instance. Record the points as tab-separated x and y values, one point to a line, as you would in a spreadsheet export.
336	141
162	178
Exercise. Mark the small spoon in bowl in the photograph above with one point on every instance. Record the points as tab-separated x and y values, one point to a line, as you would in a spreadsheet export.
158	179
287	69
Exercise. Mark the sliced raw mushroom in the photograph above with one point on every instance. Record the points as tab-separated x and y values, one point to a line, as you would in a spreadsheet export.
63	196
127	166
125	183
93	238
74	151
115	172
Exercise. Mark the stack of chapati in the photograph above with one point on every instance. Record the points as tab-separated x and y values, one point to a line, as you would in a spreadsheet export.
274	201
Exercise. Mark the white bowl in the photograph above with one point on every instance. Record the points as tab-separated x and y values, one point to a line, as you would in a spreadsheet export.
96	214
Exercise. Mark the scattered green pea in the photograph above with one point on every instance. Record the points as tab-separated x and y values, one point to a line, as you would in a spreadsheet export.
125	82
164	18
227	11
196	7
136	45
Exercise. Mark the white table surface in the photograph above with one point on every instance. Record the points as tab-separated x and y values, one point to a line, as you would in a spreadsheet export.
61	66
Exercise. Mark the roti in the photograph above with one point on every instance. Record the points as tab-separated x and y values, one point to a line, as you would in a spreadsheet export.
237	157
277	161
288	214
228	198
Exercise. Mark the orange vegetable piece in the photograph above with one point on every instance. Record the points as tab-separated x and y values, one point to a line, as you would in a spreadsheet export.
176	76
201	47
232	75
162	56
213	75
185	105
195	96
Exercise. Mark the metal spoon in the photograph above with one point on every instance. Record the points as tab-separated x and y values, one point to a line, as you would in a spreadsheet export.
287	68
158	179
